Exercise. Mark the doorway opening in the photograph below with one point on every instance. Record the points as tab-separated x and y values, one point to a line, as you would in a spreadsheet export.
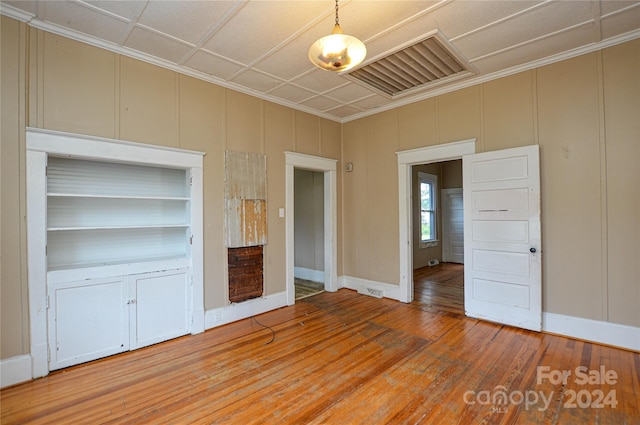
327	170
438	236
308	232
406	161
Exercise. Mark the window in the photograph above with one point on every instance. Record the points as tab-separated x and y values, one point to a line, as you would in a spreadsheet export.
428	191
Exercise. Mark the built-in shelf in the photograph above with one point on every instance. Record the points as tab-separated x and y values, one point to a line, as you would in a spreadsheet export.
108	213
114	246
64	229
75	195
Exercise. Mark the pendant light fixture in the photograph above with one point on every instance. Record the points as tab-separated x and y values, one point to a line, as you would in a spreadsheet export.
337	51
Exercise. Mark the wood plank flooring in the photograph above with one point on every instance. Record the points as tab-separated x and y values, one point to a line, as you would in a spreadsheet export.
440	288
338	358
306	288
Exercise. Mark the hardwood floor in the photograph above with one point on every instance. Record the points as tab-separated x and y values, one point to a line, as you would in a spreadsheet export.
339	358
306	288
440	288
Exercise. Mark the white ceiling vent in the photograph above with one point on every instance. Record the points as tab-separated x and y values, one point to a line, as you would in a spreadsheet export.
415	66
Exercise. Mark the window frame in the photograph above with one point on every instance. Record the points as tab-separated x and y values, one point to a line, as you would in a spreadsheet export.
431	179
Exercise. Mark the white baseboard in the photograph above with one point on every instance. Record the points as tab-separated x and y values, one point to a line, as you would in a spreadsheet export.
364	285
238	311
607	333
15	370
308	274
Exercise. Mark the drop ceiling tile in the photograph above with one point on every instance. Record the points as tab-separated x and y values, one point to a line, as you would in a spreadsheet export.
186	20
343	111
348	92
212	65
611	6
256	81
621	23
290	62
292	93
127	10
549	19
156	45
370	102
319	80
458	18
80	18
28	6
544	48
392	41
260	26
321	103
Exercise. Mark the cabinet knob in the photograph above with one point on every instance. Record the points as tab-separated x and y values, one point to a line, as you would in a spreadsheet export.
532	250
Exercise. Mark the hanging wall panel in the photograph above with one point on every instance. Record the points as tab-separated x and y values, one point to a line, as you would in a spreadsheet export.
245	199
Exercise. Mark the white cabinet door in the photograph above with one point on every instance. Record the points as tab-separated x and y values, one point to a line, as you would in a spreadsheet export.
88	319
161	309
502	252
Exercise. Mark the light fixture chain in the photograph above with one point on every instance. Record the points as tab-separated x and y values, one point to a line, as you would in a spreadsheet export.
337	12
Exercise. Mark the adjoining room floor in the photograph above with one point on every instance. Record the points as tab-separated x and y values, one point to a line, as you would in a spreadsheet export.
307	288
440	287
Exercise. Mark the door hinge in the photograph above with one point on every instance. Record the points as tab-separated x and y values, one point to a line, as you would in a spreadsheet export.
48	302
190	180
48	354
191	240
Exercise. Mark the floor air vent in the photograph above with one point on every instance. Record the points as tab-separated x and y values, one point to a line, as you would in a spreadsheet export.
419	65
373	292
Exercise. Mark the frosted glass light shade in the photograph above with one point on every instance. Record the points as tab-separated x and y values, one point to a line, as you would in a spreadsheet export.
337	51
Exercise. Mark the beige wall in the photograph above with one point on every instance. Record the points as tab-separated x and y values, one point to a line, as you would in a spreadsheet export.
309	219
83	89
584	114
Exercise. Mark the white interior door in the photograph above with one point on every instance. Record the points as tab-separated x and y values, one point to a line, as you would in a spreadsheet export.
452	226
502	272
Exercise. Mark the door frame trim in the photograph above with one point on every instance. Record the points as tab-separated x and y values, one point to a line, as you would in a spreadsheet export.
328	167
407	159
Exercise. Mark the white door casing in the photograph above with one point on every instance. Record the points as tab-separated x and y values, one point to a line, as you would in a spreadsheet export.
502	243
327	166
407	159
452	226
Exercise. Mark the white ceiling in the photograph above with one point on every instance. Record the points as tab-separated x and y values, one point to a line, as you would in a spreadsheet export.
260	47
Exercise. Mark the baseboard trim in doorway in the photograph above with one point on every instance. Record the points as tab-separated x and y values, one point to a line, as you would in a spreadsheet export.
308	274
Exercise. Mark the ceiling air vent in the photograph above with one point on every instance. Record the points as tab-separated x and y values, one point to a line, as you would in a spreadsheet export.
419	65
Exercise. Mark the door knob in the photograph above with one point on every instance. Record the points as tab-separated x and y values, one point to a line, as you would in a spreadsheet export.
532	250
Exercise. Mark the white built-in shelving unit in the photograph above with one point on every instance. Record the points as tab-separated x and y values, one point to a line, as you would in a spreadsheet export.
115	246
